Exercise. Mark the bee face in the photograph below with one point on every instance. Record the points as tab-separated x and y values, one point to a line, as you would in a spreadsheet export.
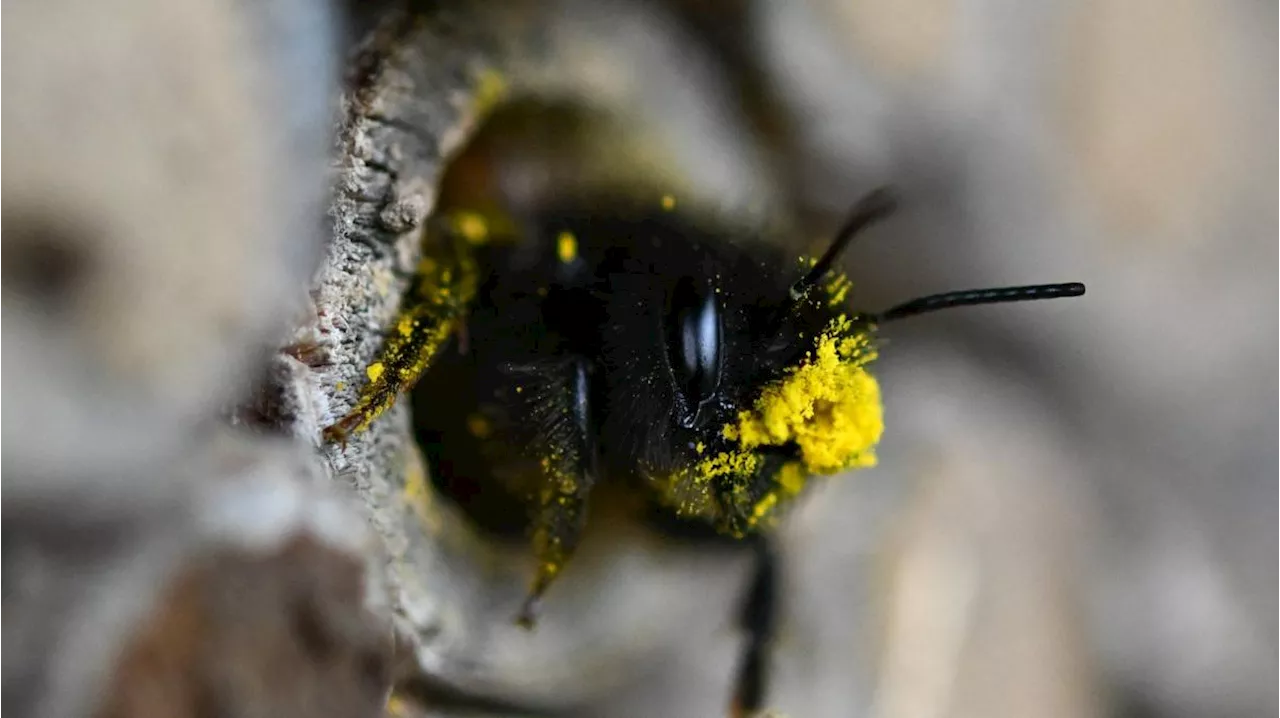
723	391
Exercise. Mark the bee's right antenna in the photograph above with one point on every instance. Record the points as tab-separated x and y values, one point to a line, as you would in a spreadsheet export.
969	297
870	209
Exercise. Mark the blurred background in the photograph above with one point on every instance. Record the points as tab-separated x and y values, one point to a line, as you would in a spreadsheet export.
1073	509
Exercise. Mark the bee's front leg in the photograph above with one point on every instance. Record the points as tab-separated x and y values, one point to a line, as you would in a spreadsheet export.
556	399
432	310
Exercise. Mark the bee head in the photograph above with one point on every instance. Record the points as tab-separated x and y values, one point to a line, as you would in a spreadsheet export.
768	373
800	400
814	406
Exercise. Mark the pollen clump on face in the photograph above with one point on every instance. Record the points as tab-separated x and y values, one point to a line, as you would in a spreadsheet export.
828	406
789	482
725	463
791	478
689	490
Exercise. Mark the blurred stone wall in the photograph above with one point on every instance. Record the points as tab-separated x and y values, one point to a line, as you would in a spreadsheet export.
1073	510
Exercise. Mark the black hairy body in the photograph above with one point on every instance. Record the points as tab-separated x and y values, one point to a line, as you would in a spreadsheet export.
579	357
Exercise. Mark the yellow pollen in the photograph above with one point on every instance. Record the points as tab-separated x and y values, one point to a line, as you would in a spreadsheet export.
763	507
837	290
374	371
397	707
490	89
828	407
791	478
668	202
471	227
567	247
479	426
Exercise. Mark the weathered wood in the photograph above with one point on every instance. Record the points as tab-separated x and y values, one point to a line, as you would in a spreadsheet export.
1051	491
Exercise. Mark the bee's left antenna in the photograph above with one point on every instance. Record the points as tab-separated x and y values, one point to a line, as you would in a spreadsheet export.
872	208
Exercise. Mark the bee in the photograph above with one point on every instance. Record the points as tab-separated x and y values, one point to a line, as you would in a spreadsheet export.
617	342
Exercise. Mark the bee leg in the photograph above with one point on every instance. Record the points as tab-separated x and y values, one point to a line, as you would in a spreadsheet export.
759	619
433	309
558	525
559	408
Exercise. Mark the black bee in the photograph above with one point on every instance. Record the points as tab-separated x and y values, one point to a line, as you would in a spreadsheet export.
631	345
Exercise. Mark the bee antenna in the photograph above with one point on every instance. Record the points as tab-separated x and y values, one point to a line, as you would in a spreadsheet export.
970	297
875	206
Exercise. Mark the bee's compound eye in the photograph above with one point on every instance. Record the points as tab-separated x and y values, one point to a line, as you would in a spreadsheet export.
693	344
